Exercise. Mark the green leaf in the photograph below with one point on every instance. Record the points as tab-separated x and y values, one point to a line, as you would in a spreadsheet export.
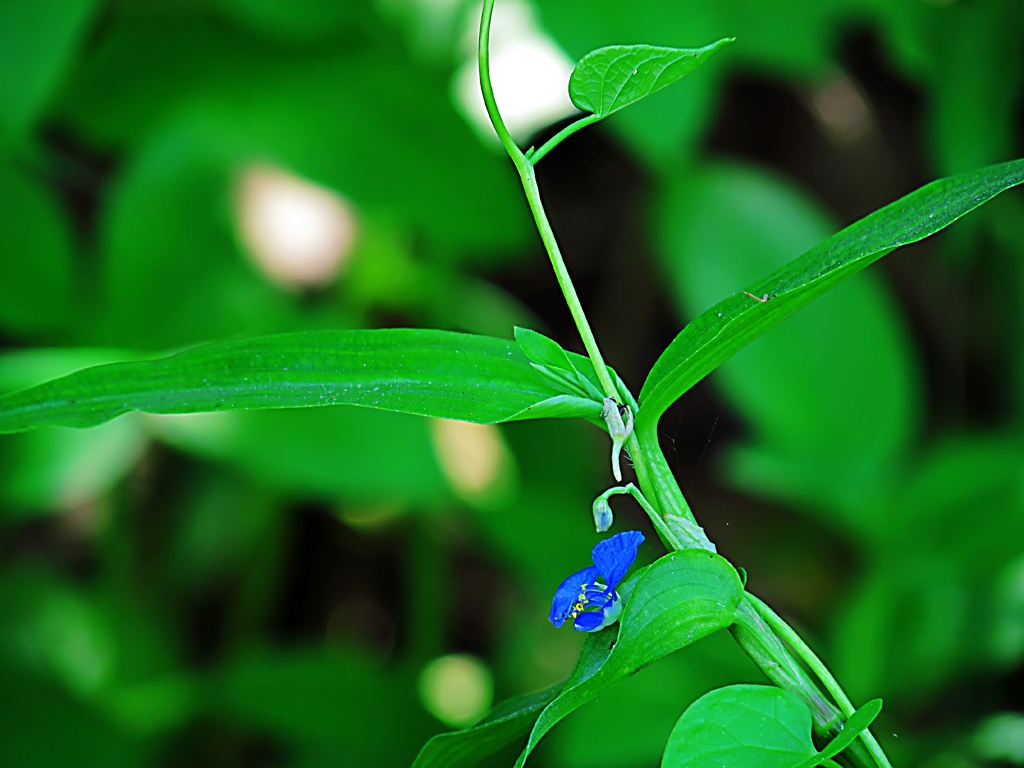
726	328
425	372
791	40
56	468
506	723
608	79
756	726
831	396
859	721
542	350
681	598
554	362
628	725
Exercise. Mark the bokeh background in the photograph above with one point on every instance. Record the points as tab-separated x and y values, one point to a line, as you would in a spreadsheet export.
332	586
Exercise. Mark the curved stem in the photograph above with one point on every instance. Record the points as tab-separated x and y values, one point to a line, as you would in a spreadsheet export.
752	630
667	535
529	179
554	141
484	63
821	672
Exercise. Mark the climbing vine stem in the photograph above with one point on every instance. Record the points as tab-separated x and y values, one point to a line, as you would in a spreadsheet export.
529	179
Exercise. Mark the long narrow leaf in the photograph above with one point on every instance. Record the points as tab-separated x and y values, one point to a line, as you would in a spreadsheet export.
424	372
730	325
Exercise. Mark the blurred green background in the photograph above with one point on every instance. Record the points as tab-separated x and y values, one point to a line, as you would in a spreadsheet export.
330	587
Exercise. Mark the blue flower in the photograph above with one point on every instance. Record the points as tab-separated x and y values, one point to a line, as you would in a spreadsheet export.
591	604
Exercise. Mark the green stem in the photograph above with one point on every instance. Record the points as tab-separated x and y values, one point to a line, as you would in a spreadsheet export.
655	477
554	141
484	62
821	671
767	651
529	180
667	536
565	283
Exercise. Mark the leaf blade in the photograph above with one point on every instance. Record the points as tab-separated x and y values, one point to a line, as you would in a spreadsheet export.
859	721
554	361
424	372
756	726
730	325
611	78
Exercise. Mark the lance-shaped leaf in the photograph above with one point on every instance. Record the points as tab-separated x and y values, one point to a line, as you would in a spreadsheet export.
507	722
555	363
424	372
730	325
857	724
608	79
681	598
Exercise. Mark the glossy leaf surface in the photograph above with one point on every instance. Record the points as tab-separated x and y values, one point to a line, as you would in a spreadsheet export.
681	598
509	720
793	37
831	396
756	726
609	79
574	372
726	328
429	373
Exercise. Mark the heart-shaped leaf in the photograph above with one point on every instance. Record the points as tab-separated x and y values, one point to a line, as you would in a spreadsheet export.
681	598
424	372
507	722
730	325
608	79
754	726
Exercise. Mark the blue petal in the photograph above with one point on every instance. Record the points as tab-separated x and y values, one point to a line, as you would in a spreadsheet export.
614	556
568	592
594	621
591	621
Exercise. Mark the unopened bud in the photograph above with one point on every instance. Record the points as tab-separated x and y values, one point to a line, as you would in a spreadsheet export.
602	514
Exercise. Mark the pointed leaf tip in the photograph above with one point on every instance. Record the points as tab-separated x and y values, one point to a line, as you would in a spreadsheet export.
609	79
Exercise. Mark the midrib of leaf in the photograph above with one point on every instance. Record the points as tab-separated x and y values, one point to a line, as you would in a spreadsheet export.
729	326
424	372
